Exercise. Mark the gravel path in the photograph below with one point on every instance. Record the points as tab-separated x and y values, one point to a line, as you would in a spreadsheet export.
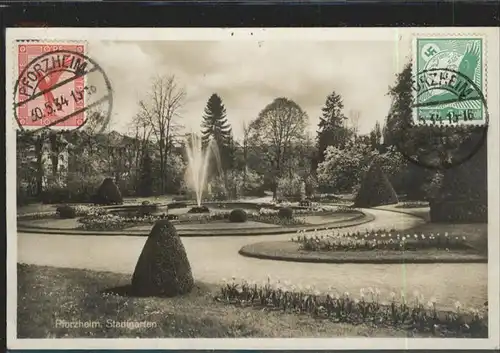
215	258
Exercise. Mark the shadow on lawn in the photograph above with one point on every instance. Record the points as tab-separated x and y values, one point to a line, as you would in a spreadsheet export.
128	291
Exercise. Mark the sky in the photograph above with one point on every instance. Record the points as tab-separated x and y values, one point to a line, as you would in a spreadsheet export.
248	75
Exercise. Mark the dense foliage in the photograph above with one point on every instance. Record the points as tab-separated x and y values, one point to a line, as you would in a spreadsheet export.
275	153
375	190
463	196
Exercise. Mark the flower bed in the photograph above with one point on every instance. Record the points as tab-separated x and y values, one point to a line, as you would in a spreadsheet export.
275	219
368	309
109	221
313	209
378	240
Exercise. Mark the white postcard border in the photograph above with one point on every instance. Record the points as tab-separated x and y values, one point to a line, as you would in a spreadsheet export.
257	34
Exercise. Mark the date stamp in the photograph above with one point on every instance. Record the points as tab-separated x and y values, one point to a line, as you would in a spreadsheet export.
59	87
449	81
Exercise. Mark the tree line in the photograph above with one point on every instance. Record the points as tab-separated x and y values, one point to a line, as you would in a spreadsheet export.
275	151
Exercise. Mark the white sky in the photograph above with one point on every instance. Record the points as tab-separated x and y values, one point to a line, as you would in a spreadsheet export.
250	74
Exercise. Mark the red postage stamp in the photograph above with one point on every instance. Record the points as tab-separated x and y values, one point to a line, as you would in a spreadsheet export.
51	85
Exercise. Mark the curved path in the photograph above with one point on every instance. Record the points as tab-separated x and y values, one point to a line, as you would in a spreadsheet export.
214	258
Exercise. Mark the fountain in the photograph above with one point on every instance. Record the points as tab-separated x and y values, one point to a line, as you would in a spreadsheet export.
198	162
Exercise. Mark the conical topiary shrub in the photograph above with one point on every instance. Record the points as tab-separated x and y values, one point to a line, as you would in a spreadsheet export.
376	190
108	193
163	268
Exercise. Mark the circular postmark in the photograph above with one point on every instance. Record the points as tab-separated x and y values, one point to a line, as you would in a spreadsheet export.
449	120
61	89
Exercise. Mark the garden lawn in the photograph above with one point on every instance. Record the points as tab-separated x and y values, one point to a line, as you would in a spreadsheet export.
47	294
57	223
476	233
421	212
36	208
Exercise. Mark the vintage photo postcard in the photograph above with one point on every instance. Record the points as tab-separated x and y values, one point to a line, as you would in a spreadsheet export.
252	188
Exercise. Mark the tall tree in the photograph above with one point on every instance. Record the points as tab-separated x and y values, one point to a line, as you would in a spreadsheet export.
277	128
246	133
331	127
399	118
158	110
376	137
354	116
215	126
145	187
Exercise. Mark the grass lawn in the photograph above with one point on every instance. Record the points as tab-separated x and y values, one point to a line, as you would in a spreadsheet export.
46	295
35	208
421	212
41	207
476	233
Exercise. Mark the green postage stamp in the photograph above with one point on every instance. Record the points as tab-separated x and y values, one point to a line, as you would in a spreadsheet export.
449	80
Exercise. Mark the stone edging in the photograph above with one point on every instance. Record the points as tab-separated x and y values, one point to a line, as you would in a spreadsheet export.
292	254
364	217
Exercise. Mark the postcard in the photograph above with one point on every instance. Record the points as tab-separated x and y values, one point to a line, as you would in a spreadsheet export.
208	188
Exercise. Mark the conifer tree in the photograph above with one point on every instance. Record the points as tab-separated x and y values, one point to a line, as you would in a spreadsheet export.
215	126
331	129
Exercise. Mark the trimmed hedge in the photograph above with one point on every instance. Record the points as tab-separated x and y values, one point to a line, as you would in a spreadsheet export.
66	212
285	212
163	267
464	211
56	195
376	190
108	193
238	216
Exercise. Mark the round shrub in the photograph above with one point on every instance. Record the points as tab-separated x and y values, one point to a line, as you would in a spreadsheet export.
163	267
108	193
285	212
238	216
66	211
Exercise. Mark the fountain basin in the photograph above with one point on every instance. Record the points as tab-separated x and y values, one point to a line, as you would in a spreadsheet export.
199	209
139	210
